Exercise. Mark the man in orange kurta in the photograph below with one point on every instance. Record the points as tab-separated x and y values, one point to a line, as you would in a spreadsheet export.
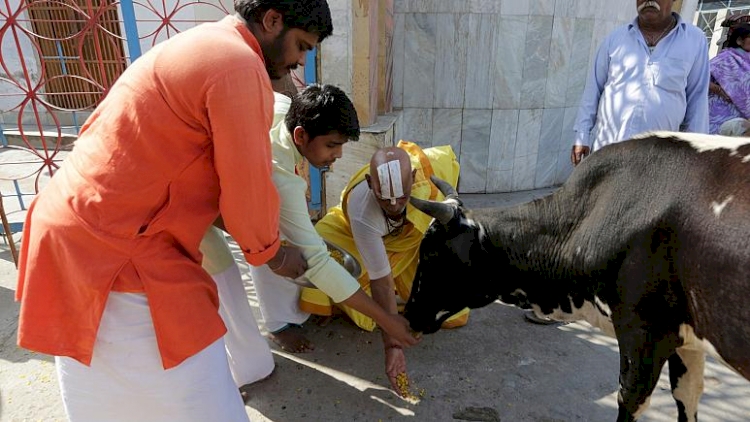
181	138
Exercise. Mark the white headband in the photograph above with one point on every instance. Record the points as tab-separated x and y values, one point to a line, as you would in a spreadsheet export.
390	175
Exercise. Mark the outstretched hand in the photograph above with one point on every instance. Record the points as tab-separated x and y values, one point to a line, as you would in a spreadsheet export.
395	364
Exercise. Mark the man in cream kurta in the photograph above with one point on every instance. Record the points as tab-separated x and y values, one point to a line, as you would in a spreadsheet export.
277	296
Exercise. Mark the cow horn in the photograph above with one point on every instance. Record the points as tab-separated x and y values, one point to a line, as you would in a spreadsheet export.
444	187
442	212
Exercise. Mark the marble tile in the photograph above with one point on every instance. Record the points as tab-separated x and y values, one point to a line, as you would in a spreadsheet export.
509	54
503	140
557	71
420	6
398	127
419	60
578	69
499	181
627	11
345	5
446	128
451	6
452	38
515	7
529	131
417	126
485	6
568	135
524	169
553	121
479	80
549	141
566	8
536	61
475	142
564	167
341	20
334	62
542	8
609	9
397	77
589	8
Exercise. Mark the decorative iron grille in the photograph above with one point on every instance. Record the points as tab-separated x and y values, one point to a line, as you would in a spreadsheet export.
58	59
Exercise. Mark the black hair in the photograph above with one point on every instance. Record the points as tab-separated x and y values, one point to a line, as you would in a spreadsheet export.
312	16
738	31
322	109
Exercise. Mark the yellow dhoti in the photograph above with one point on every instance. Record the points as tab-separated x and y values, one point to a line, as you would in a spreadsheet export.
403	249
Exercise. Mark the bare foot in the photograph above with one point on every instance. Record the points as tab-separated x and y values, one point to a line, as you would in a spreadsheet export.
320	320
292	339
246	389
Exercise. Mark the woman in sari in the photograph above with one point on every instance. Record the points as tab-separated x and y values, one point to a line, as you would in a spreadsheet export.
729	90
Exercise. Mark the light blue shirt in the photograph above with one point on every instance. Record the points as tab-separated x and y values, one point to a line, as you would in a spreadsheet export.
632	90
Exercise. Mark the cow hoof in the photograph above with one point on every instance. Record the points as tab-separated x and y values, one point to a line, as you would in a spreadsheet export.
532	317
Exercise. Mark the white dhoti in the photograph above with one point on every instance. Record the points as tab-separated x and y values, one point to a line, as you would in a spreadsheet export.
278	299
126	381
250	358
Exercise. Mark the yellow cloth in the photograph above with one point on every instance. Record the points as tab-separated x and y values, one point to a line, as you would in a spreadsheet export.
402	250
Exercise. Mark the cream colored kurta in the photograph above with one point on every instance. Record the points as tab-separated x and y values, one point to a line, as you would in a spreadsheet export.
278	297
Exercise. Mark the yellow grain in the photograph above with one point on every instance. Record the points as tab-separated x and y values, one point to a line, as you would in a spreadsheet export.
337	255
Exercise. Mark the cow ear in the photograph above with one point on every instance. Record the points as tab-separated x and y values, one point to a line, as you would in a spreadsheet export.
444	187
442	212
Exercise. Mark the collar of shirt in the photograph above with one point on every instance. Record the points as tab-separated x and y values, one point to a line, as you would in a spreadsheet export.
238	23
633	26
285	153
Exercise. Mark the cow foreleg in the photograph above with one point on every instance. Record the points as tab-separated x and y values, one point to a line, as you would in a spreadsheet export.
640	366
686	377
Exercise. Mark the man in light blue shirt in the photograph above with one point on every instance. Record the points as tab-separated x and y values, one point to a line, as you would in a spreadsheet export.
651	74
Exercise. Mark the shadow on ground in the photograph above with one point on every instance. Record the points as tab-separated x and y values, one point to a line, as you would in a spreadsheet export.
497	361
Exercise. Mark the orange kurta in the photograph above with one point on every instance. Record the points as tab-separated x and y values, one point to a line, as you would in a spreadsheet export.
181	136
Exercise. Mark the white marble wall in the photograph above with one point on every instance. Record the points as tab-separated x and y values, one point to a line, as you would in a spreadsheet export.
336	50
499	80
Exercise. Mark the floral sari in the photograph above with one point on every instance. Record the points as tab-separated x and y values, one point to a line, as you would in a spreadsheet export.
731	70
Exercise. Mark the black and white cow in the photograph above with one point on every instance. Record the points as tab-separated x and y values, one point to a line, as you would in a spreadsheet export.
648	240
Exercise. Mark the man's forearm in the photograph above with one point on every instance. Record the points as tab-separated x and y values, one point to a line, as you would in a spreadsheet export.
383	293
366	305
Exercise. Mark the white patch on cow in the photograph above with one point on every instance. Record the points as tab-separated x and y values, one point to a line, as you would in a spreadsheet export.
440	314
482	232
718	208
702	142
690	384
642	408
693	342
589	312
471	223
603	306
